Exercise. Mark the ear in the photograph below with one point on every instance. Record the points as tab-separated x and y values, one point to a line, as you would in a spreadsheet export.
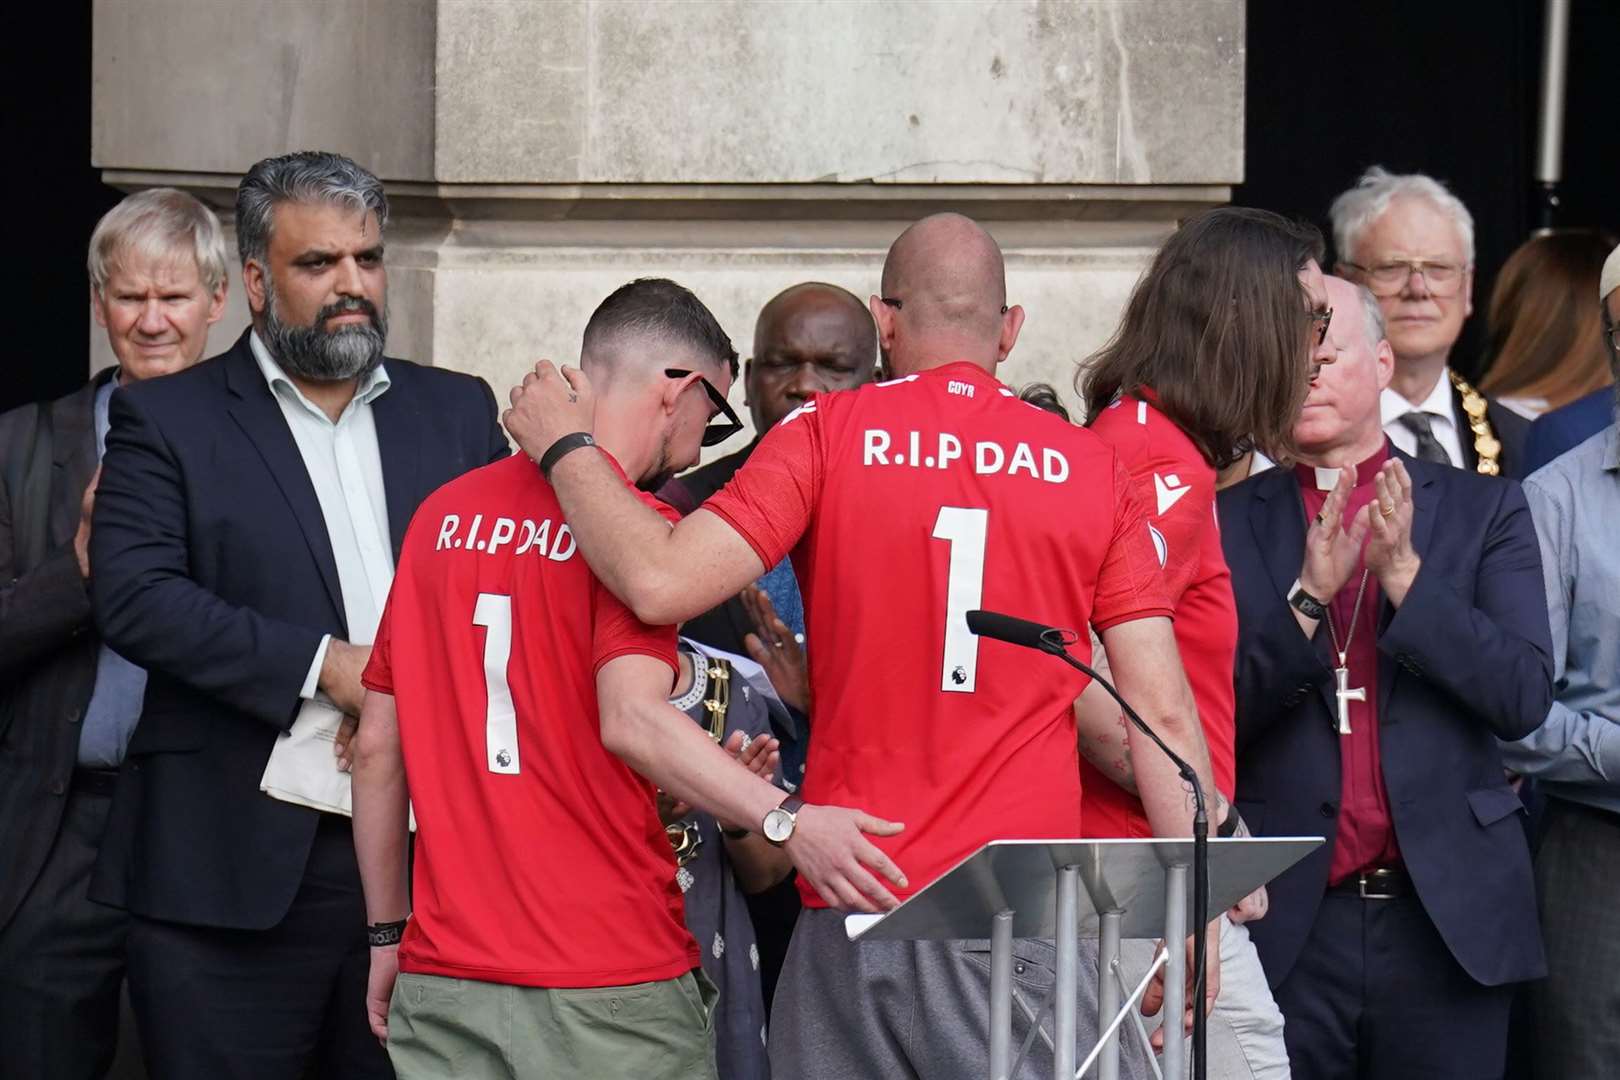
1385	361
883	315
747	374
216	303
254	283
1011	323
98	306
1468	292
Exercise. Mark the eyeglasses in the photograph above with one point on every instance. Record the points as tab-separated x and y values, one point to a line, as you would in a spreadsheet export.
1320	320
718	430
898	304
1387	279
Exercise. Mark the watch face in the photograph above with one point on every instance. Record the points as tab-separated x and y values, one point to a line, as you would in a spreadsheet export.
778	826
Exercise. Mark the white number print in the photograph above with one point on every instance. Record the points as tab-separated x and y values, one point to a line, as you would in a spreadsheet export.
494	614
965	530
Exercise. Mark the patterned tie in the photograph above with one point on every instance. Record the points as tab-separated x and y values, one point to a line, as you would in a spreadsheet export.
1420	424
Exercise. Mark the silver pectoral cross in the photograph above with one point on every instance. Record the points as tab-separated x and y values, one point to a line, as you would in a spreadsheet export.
1346	696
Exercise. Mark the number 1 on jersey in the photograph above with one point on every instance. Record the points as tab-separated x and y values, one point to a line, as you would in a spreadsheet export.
494	613
965	530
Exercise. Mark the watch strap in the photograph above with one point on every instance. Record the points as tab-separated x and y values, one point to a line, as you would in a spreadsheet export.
562	448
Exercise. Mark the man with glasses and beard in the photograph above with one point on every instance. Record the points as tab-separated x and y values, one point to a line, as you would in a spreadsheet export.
245	532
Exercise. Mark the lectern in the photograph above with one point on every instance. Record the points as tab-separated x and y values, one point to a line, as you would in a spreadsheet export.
1068	889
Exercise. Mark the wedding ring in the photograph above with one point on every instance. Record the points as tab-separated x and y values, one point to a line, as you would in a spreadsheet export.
1387	511
781	644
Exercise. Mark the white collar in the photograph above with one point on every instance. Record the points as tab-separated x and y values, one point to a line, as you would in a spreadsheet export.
1392	406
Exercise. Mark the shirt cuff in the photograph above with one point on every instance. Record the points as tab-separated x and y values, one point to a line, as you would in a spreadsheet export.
313	679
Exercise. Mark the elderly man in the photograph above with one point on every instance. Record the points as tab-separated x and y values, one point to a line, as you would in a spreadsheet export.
246	526
157	282
1575	755
1392	626
1411	242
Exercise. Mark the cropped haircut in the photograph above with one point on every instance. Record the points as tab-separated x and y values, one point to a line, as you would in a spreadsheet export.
160	223
1217	328
1545	337
660	309
307	177
1356	209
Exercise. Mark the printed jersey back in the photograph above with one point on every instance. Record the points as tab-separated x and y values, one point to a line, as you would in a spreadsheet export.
540	859
906	504
1177	486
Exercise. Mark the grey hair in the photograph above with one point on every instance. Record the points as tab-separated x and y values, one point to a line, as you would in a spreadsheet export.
1372	316
1356	209
161	223
310	176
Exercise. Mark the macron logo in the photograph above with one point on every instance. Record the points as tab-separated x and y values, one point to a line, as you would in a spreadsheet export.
1170	489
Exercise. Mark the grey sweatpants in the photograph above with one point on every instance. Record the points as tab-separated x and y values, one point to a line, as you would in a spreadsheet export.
898	1010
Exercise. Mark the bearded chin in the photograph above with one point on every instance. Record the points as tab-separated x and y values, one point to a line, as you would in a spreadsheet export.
311	352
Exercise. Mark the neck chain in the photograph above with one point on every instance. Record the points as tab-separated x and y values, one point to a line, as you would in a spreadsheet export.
1355	612
1344	692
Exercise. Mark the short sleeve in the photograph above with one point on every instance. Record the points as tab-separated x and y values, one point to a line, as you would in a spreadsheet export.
379	672
1129	584
615	632
770	499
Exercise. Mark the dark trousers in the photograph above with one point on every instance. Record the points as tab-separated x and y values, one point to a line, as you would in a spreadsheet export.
1577	1007
275	1004
1376	995
62	960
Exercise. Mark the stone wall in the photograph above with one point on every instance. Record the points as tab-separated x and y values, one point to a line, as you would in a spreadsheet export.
541	153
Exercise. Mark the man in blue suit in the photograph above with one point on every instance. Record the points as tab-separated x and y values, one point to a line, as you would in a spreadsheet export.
245	531
1566	428
1392	625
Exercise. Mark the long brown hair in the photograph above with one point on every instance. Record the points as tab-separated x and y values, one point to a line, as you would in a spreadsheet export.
1546	330
1217	328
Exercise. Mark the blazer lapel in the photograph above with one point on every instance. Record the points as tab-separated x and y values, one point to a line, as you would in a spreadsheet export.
1278	521
1426	498
399	424
73	456
255	410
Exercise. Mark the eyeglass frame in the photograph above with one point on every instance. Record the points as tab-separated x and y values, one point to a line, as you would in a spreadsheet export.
714	433
898	304
1325	317
1412	266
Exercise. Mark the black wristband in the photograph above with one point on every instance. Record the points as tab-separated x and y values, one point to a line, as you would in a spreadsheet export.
1306	604
1230	826
562	448
385	933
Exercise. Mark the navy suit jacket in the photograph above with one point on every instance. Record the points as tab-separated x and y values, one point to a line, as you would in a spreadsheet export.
1464	661
1566	428
212	568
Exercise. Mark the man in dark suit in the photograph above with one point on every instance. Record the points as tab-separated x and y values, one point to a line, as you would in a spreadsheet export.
1411	241
1392	625
244	538
157	282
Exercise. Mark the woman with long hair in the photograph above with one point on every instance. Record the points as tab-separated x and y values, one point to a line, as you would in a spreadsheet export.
1545	346
1212	360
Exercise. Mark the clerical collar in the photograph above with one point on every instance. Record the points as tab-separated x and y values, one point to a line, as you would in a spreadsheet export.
1324	479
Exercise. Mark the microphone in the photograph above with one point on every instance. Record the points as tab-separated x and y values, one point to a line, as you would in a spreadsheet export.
1055	641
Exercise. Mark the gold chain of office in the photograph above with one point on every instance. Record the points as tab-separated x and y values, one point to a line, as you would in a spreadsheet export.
1487	447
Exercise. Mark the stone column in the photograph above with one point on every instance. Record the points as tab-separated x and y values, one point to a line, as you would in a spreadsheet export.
540	153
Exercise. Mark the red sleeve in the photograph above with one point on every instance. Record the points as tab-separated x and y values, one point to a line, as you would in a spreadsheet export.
1129	585
770	499
379	672
615	632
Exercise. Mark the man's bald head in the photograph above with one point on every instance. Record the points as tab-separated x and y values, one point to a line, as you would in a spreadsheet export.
949	278
810	338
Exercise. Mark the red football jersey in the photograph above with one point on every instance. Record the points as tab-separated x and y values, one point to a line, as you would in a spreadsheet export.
906	504
1177	486
540	859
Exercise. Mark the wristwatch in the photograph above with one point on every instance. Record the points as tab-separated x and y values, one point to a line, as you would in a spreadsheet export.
1306	604
778	825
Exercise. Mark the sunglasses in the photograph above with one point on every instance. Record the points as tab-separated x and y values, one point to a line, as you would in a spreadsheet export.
1320	320
719	430
899	304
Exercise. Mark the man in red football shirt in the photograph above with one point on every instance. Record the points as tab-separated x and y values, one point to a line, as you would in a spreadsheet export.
1148	395
956	496
513	702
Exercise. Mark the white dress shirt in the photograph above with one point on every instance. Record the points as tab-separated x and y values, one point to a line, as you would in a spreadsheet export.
345	468
1442	419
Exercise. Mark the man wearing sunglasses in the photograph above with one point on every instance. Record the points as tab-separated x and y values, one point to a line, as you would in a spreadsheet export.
1410	242
955	495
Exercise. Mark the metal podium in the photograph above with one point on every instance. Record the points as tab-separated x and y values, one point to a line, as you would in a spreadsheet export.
1068	889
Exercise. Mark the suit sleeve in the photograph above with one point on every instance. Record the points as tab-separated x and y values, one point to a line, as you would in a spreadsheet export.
1492	652
42	609
146	604
1575	746
495	436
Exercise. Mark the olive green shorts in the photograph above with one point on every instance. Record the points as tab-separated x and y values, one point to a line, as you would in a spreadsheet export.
447	1029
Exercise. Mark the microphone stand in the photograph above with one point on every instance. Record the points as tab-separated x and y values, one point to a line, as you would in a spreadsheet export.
1052	642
